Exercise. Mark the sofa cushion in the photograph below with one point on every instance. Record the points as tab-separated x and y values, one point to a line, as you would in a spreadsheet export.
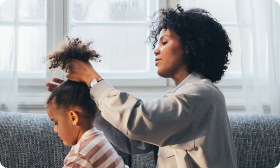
28	141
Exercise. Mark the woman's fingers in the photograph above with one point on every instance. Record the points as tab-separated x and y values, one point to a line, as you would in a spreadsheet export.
57	80
48	84
50	89
51	86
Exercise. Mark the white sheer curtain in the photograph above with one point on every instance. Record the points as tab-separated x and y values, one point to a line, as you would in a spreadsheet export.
8	56
259	26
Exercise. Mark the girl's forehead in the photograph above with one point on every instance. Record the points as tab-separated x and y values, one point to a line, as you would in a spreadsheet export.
51	106
53	110
50	109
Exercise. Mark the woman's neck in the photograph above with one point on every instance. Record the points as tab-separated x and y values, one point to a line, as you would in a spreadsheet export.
179	77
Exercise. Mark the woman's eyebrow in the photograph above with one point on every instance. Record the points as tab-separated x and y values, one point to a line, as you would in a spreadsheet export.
52	119
162	37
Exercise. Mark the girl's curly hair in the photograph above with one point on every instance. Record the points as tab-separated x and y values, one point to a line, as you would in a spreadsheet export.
72	49
71	93
205	43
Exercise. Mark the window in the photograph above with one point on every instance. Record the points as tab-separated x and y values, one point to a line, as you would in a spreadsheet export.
23	23
29	28
32	29
119	29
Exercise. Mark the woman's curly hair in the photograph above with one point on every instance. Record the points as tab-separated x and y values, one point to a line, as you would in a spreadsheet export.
72	49
205	43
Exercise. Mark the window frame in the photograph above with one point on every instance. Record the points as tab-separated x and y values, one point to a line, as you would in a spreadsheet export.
54	36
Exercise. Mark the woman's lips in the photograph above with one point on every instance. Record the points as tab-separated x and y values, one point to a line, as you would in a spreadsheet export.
157	61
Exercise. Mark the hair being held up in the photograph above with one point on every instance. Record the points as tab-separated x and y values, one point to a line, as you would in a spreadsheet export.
205	42
71	93
72	49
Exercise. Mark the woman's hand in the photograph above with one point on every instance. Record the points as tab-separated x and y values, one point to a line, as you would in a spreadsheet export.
81	71
51	86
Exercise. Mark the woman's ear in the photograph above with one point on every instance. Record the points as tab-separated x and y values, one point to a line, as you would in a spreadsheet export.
74	117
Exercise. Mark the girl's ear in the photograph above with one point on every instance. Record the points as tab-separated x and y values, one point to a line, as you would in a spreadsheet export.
74	117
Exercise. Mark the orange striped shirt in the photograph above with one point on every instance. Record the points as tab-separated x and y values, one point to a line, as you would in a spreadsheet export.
93	151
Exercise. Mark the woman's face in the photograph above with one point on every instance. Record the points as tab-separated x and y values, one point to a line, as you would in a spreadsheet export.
169	54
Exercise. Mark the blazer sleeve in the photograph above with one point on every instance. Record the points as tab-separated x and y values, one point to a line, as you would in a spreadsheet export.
163	122
116	137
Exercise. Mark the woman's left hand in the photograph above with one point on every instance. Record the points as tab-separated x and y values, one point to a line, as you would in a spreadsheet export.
81	71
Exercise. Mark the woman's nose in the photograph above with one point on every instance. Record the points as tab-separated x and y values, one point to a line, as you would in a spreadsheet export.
156	52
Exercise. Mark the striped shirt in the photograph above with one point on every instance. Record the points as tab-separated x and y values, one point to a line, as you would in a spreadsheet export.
93	151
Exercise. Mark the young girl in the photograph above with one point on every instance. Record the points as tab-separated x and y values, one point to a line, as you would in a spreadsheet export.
72	110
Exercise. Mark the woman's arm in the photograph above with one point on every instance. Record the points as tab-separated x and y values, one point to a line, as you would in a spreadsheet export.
116	137
162	122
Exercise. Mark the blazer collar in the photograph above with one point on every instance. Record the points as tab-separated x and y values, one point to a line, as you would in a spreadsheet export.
191	78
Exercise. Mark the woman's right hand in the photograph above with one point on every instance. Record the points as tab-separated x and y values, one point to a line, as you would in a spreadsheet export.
51	86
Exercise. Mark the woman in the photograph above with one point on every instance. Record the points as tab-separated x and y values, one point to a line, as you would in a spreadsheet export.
189	123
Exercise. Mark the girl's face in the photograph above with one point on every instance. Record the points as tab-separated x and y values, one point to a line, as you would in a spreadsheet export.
169	54
63	121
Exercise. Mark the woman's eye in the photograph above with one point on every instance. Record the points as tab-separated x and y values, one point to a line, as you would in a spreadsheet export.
55	124
164	42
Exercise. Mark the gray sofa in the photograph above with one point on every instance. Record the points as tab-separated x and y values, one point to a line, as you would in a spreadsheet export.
28	141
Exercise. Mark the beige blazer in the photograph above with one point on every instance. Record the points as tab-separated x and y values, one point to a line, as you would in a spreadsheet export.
189	124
